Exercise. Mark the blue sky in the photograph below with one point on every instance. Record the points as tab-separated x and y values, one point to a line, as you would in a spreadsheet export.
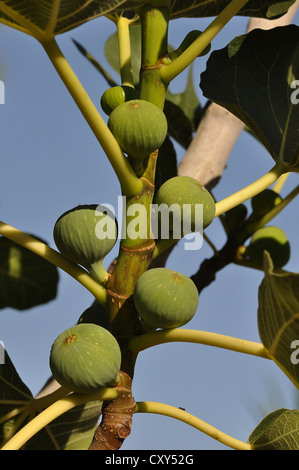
51	162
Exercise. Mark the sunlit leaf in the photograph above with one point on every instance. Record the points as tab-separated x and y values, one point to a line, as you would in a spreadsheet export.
277	431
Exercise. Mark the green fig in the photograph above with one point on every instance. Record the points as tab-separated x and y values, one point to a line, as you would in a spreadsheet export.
273	240
115	96
85	358
85	235
165	298
184	195
235	216
263	202
140	128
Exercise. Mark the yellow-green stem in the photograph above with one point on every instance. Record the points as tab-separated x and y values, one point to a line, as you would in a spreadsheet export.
43	250
52	412
124	48
181	415
251	190
129	182
280	182
139	343
169	72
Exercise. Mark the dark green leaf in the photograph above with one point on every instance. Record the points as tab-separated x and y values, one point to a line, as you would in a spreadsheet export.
26	279
49	17
199	8
187	100
73	430
180	127
277	431
252	77
166	164
278	318
12	389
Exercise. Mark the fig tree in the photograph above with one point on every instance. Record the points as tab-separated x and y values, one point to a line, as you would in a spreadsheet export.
186	197
140	128
85	235
114	96
165	298
272	239
85	358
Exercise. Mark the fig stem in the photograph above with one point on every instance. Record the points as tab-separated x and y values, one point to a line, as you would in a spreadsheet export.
280	182
172	70
147	340
124	48
129	182
54	411
54	257
251	190
185	417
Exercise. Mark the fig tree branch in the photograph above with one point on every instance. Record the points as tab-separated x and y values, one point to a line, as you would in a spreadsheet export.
147	340
52	412
56	258
182	415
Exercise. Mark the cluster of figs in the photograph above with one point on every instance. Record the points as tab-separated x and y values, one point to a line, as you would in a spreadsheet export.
87	356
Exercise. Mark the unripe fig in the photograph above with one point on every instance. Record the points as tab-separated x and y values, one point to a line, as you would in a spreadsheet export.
165	298
115	96
85	235
185	195
264	202
140	128
85	358
273	240
96	314
235	216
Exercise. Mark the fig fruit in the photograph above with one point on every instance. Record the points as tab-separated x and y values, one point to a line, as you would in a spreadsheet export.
85	235
265	201
140	128
272	239
184	195
85	358
96	314
165	298
235	216
115	96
